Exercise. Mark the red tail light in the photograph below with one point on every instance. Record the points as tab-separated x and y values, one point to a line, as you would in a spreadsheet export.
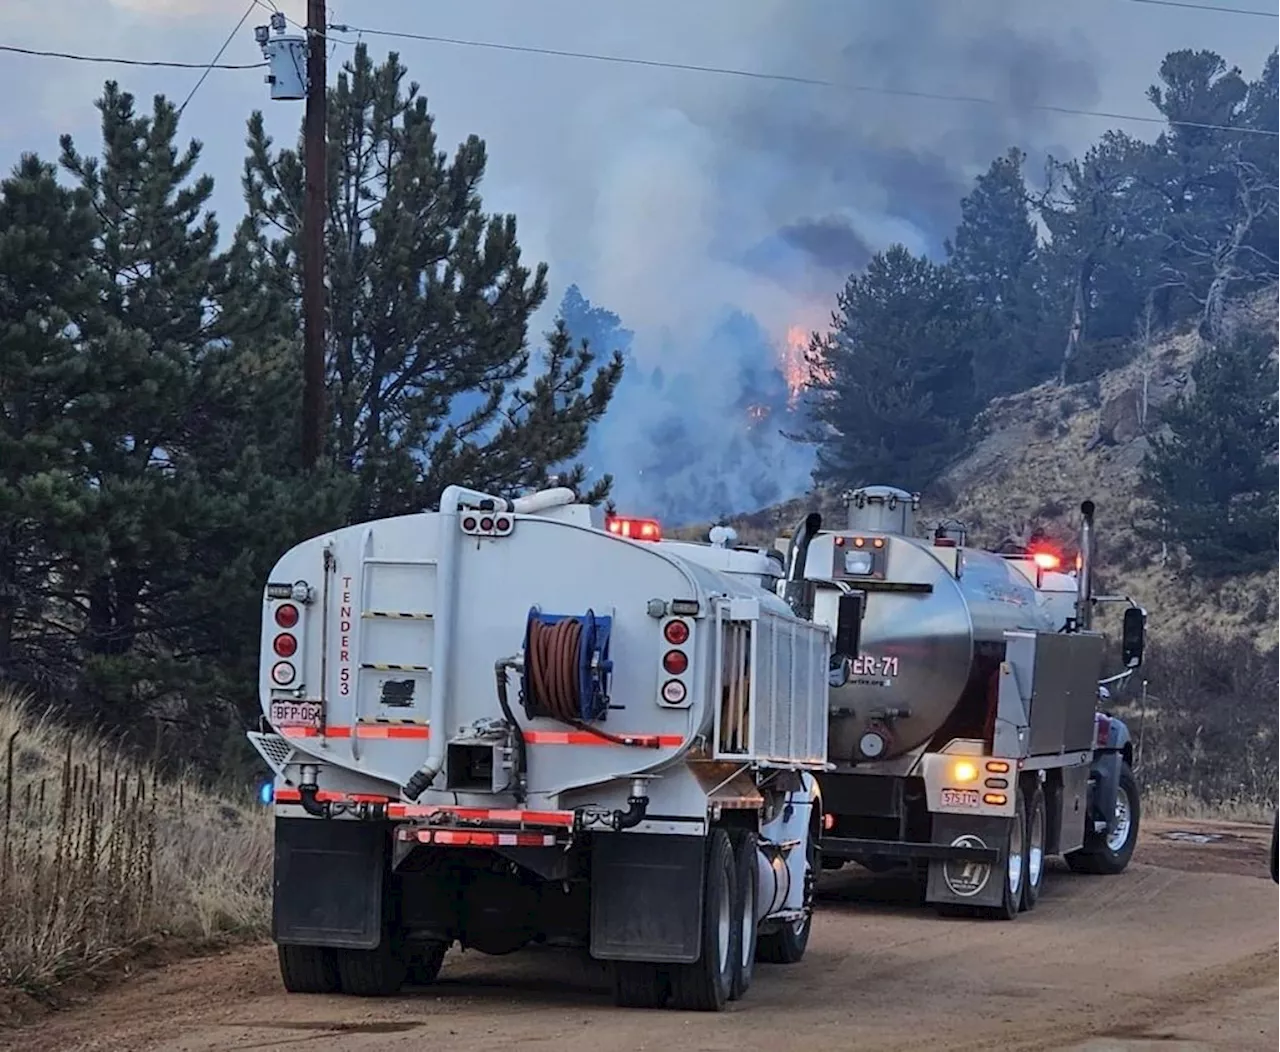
676	632
634	529
675	662
285	645
286	615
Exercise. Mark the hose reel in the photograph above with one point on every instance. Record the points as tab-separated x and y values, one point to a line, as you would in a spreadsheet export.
566	667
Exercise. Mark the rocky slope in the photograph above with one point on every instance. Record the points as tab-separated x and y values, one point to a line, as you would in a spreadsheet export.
1043	451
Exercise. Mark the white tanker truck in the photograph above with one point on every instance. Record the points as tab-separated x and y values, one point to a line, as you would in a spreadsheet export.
504	723
965	741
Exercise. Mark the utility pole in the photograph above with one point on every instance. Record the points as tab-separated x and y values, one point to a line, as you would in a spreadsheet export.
314	210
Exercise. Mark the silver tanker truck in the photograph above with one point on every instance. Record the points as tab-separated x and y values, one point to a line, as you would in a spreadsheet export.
965	741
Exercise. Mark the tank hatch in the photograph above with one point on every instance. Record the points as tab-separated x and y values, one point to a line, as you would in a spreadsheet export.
882	509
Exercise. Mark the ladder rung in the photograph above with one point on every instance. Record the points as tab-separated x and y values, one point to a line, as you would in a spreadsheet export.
397	615
380	667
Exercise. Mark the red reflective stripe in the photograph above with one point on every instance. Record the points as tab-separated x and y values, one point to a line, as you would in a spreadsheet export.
421	733
482	814
292	796
478	838
586	738
383	730
364	730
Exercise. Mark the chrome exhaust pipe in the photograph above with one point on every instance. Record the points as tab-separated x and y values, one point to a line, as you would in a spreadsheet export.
1084	583
796	592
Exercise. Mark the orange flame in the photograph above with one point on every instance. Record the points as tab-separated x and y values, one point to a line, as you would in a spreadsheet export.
794	368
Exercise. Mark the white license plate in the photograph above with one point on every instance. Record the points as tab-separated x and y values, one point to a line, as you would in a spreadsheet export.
294	713
959	797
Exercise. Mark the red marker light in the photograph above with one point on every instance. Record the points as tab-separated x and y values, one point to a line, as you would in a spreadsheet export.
634	529
1046	560
285	645
286	615
675	662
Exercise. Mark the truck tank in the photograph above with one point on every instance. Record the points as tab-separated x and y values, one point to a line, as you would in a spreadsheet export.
391	659
932	626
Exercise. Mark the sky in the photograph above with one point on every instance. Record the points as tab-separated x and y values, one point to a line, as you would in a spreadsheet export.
672	198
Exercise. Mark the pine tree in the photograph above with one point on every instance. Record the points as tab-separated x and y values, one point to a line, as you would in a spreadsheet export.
1213	475
429	306
188	482
46	241
895	391
996	257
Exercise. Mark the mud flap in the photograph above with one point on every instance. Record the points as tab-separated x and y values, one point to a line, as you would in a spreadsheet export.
1104	787
647	897
328	883
963	883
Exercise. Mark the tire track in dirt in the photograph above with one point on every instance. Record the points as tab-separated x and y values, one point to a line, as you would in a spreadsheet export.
1166	954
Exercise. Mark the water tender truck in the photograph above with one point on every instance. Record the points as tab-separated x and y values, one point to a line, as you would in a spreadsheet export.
517	721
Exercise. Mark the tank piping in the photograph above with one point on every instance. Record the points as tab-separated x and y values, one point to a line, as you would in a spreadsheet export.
637	807
1084	587
500	669
797	554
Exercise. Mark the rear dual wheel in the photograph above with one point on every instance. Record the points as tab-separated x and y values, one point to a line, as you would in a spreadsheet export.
1025	858
1022	870
724	970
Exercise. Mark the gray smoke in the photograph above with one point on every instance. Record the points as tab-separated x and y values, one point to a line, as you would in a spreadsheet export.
684	202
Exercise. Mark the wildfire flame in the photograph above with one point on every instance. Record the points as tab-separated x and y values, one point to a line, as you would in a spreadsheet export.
794	368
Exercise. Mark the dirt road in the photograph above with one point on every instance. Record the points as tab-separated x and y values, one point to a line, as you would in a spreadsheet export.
1179	953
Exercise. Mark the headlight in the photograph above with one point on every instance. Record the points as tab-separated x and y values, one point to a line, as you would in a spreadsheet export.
857	562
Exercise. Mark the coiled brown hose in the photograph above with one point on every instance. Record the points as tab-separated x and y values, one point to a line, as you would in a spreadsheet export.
551	663
553	667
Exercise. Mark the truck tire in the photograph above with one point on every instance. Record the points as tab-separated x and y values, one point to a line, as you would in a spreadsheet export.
373	973
704	985
308	969
1013	874
1037	824
745	855
1107	855
638	984
787	945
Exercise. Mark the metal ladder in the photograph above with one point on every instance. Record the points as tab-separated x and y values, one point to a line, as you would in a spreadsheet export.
367	614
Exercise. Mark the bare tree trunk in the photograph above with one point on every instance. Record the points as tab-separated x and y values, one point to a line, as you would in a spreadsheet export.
1075	331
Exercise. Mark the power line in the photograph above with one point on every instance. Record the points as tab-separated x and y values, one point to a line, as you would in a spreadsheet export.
1208	7
115	61
225	44
725	71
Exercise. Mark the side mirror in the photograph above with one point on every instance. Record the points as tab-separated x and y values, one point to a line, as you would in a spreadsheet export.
1133	636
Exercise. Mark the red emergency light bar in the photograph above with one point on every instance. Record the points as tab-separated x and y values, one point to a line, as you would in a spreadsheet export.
634	529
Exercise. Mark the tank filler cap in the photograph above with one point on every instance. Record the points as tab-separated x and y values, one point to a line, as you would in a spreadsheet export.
872	745
882	509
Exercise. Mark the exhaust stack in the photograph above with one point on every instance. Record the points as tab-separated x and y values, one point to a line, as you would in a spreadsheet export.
796	592
1084	590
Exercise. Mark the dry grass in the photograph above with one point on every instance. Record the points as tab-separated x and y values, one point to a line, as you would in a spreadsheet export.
99	855
1175	803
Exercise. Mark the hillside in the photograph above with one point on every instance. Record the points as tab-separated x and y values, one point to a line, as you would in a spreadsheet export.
102	860
1041	452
